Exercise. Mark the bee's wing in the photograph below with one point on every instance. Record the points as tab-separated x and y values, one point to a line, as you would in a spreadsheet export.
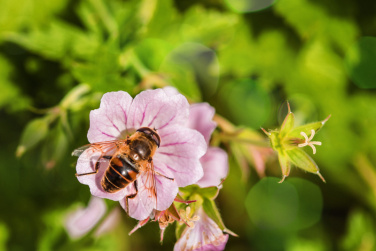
149	182
77	152
101	147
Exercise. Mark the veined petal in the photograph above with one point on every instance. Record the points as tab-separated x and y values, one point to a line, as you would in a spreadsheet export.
142	205
200	119
109	121
180	151
215	166
156	109
166	188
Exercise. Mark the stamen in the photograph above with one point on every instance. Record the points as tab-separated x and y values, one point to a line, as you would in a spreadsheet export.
185	216
308	142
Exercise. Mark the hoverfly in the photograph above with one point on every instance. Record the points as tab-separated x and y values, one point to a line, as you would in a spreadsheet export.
130	158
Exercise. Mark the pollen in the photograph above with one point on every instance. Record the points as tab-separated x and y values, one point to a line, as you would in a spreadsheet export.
308	142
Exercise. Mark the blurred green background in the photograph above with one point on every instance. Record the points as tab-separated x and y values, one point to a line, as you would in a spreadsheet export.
244	57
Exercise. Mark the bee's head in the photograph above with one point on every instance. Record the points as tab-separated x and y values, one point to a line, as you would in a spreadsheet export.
151	133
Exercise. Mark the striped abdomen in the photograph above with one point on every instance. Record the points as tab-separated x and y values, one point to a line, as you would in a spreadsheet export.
120	173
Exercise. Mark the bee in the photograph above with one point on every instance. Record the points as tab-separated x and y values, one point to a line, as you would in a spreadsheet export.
131	157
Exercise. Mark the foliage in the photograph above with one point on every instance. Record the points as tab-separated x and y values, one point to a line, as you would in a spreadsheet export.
57	58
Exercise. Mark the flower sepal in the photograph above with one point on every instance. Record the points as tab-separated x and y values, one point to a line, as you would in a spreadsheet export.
204	198
289	140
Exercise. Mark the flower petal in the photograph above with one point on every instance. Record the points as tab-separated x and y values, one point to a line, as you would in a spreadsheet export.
167	189
204	236
156	109
109	223
215	165
180	151
142	205
81	221
109	121
200	119
170	91
86	164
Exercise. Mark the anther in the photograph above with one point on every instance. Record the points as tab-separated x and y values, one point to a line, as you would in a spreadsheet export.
308	141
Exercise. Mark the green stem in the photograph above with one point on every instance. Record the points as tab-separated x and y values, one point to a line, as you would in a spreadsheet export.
231	138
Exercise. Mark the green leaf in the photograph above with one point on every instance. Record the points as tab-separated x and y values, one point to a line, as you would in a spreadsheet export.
74	95
310	203
272	206
360	232
151	52
183	66
361	61
34	132
4	235
55	147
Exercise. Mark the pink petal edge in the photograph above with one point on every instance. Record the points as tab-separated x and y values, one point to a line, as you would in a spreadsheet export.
215	166
201	119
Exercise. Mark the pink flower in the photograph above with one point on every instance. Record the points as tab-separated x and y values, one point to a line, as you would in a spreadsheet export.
177	157
204	235
109	222
215	161
82	220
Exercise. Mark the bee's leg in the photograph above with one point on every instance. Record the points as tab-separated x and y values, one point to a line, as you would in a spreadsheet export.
96	166
131	196
150	160
163	175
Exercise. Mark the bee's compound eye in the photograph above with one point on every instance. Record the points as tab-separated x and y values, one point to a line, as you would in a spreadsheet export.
152	134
